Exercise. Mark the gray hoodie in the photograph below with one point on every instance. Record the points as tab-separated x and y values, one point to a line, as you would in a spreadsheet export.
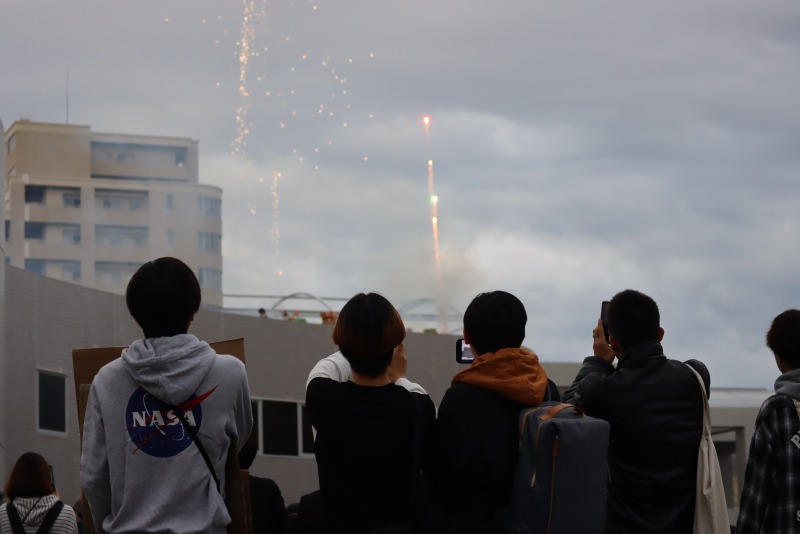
789	384
140	469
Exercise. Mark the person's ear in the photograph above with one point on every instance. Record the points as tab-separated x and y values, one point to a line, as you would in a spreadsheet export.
660	334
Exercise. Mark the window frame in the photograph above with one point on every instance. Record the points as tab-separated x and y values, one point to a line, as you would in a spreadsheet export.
259	427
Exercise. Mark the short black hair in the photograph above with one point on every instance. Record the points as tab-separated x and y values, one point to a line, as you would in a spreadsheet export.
367	331
162	297
495	320
783	337
633	318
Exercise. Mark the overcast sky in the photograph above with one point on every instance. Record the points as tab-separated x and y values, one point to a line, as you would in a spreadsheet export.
579	147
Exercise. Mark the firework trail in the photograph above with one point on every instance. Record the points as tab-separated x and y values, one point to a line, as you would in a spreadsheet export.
253	9
434	202
248	36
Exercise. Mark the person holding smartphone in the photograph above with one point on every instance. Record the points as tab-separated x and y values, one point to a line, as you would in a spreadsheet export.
476	441
655	408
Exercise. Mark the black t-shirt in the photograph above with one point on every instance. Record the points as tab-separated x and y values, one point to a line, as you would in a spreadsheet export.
364	449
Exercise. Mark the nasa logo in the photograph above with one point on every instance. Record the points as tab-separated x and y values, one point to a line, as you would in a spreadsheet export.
156	429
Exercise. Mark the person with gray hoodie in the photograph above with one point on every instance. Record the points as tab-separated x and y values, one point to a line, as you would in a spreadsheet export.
141	470
771	493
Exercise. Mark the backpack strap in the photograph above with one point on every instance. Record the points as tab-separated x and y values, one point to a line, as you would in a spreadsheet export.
50	518
181	415
193	433
14	519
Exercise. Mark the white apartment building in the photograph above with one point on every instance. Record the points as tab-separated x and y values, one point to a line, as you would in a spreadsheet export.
90	208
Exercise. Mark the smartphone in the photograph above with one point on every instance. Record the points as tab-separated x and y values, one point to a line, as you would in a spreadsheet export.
464	352
604	318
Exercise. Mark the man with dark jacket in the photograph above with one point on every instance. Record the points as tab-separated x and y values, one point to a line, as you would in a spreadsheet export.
655	408
476	440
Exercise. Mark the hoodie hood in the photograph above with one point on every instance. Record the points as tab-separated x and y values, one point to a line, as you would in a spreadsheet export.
511	373
789	384
169	368
33	509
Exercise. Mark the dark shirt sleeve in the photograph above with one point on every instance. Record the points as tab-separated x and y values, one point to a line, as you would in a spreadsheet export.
587	381
317	392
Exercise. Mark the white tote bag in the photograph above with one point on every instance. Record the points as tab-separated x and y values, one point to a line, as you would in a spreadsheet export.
711	511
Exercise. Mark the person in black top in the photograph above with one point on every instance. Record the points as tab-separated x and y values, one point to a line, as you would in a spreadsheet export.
655	408
372	423
476	440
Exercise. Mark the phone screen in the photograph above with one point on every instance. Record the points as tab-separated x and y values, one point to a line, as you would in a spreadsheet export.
464	352
604	318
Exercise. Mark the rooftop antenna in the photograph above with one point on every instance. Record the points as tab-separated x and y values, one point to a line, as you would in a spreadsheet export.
67	95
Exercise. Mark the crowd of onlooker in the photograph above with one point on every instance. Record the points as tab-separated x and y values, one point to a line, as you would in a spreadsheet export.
163	420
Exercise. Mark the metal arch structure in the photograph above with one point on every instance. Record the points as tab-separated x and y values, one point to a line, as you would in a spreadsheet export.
406	310
452	313
301	296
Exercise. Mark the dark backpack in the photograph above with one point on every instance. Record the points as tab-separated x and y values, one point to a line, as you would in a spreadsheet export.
560	484
47	523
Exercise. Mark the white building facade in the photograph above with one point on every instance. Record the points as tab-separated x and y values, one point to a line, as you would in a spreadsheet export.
90	208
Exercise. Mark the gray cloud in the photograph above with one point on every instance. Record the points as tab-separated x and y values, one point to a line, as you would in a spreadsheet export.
579	148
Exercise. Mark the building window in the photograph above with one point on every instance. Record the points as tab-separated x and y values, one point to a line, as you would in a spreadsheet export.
181	157
111	203
170	202
12	143
125	157
71	271
116	199
35	230
279	427
72	200
71	234
284	428
109	235
208	242
34	194
112	272
35	266
170	239
210	206
210	278
52	402
8	230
